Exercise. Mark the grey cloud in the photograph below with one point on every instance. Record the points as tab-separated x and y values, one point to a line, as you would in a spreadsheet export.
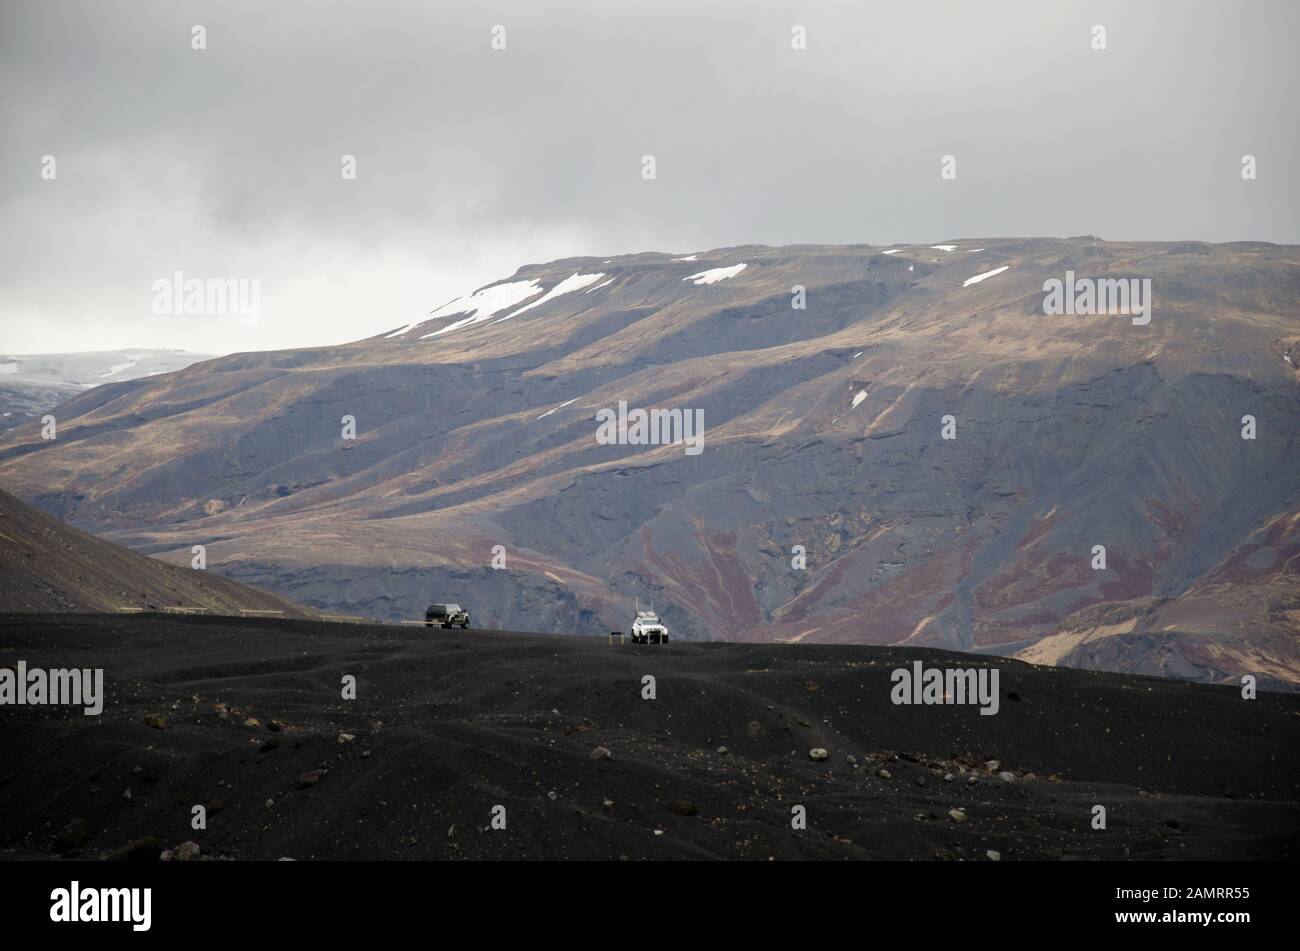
472	162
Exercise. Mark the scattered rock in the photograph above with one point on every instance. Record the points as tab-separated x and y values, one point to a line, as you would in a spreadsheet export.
155	720
252	722
270	803
853	760
140	850
722	751
884	773
992	765
73	836
346	738
682	807
817	754
309	778
1007	777
187	851
994	856
956	815
600	753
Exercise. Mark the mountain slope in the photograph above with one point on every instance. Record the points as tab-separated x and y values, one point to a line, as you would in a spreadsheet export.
48	566
32	384
823	429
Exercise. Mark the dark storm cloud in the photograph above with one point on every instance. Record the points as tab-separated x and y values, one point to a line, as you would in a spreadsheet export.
471	161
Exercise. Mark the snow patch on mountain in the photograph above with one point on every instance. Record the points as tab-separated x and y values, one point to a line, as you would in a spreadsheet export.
484	303
575	282
987	274
117	368
554	408
713	275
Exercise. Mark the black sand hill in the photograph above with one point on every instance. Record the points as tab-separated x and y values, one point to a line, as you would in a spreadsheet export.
447	725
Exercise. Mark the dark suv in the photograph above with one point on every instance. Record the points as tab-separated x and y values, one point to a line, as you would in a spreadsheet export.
446	615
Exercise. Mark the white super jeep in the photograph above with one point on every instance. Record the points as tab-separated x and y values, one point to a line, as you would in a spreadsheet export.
648	629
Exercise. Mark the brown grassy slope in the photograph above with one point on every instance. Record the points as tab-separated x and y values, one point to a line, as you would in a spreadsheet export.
46	565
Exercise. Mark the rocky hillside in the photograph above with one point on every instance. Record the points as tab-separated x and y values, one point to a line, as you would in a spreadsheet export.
823	428
48	566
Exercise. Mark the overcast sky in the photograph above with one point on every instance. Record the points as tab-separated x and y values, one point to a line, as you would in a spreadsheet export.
225	162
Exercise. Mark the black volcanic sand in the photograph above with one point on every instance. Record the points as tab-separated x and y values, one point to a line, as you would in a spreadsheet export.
449	724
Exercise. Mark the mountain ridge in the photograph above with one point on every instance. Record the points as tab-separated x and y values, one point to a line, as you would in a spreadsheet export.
32	384
823	429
